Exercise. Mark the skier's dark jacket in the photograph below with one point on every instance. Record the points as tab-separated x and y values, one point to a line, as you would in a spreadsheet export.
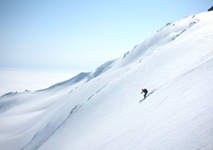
144	91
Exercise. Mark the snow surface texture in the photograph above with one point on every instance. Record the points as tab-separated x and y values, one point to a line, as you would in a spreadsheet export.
101	111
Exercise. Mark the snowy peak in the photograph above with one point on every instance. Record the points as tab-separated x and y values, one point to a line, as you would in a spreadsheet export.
165	35
101	109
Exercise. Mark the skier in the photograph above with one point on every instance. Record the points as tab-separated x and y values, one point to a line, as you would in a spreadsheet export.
145	91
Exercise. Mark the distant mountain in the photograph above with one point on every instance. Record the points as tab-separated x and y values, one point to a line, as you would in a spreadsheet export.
100	110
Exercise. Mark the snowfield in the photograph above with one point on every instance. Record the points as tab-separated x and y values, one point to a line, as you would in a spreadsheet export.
100	110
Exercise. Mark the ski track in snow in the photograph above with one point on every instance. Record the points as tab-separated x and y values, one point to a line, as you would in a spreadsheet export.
96	93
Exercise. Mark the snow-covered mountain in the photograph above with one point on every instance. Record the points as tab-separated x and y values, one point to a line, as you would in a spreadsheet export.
100	110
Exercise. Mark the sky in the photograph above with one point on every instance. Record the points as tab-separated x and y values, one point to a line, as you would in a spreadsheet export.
80	35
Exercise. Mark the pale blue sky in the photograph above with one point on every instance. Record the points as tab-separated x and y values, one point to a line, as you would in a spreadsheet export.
80	35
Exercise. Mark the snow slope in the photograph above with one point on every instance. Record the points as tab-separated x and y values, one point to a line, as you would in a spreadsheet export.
100	110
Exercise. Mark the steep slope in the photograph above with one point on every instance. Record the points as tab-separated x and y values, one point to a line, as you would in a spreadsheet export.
101	109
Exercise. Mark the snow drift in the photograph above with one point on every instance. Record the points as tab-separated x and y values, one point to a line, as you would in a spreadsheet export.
101	109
